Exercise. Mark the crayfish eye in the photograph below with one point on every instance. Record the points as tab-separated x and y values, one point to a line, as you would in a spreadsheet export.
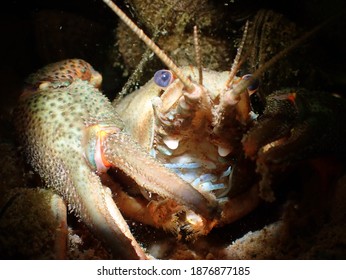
163	78
253	87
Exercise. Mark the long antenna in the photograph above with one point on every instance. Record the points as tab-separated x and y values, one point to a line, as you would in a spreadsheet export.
236	62
139	32
198	55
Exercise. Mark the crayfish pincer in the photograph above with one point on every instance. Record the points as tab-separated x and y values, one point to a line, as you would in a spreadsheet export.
71	136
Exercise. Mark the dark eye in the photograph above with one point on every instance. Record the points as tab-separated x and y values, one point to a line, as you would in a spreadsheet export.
253	87
163	78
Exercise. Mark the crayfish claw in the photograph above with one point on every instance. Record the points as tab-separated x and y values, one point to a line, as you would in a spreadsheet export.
125	154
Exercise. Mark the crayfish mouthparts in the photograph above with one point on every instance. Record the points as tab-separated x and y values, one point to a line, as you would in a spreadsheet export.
106	146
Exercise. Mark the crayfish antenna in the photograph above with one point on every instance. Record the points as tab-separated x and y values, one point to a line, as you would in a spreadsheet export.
198	55
237	63
150	43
